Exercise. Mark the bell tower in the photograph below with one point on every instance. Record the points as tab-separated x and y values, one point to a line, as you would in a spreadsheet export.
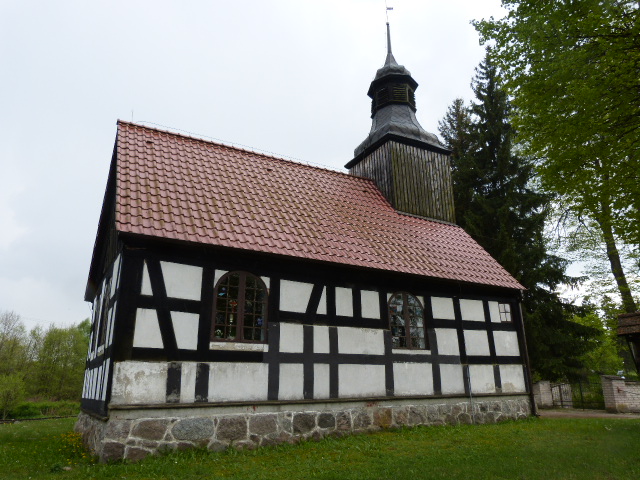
409	165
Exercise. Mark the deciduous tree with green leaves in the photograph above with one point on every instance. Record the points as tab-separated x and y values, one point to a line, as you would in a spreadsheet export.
573	70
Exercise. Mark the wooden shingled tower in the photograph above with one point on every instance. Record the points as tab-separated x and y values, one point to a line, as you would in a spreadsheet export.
408	164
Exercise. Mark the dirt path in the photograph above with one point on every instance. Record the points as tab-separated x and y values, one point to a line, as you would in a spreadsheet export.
574	413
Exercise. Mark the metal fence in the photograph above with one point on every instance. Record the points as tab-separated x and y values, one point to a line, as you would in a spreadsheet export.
583	394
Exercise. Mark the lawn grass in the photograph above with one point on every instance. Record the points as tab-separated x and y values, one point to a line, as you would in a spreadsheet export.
546	449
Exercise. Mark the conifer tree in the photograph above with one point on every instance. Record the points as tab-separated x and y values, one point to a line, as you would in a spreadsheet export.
498	207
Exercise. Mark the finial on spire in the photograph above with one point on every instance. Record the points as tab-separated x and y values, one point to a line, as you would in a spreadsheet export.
388	39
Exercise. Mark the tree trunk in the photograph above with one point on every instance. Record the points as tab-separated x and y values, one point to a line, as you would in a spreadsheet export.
604	221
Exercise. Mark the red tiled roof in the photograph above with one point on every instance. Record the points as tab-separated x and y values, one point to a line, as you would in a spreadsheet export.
178	187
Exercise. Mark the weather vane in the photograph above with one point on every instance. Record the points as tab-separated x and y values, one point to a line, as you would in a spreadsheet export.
387	10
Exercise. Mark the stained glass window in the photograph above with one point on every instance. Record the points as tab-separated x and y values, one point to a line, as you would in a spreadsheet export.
406	319
240	309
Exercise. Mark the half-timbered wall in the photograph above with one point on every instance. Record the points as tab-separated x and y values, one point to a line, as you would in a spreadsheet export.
95	393
413	179
327	339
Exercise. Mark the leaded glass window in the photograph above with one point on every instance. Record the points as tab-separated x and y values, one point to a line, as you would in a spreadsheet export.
240	309
406	319
505	312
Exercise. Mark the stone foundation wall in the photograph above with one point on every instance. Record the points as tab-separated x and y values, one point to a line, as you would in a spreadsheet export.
135	433
620	395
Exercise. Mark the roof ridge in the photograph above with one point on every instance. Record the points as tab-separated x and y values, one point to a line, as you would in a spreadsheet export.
212	141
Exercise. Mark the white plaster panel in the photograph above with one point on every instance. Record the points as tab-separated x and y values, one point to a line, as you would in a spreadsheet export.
294	296
320	339
322	306
370	304
447	339
413	378
361	380
90	387
482	380
105	379
182	281
111	323
442	308
472	310
344	302
147	333
266	281
451	379
85	384
218	275
115	276
476	342
494	312
96	377
145	289
139	382
320	380
512	378
291	382
188	382
92	376
506	343
238	381
185	326
99	381
291	336
367	341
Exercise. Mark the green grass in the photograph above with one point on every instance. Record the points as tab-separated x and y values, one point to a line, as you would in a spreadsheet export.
533	449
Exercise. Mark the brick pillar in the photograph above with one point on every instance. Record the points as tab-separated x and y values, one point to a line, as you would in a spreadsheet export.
613	389
542	394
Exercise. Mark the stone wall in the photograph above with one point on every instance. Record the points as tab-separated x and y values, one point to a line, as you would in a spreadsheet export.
136	433
620	395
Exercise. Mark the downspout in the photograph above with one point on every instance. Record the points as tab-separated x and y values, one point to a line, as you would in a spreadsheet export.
525	353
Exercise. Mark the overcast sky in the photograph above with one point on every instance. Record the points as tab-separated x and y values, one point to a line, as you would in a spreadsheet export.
286	77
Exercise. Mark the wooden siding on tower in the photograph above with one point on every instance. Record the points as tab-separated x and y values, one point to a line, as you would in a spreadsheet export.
414	180
377	167
422	182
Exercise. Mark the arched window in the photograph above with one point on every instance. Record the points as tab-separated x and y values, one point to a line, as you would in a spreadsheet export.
406	319
240	309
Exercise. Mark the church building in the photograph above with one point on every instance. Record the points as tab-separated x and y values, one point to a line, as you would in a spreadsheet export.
242	300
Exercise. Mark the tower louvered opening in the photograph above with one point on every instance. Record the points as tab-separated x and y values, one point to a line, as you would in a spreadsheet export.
393	93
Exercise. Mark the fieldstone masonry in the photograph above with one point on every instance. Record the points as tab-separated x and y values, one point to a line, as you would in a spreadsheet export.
620	395
130	434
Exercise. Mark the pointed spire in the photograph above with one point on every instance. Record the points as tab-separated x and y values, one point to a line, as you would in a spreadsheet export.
393	107
390	60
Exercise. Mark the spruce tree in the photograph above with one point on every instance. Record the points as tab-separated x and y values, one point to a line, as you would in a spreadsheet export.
498	206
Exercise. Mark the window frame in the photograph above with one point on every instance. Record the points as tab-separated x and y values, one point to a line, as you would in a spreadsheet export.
505	313
406	318
240	312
